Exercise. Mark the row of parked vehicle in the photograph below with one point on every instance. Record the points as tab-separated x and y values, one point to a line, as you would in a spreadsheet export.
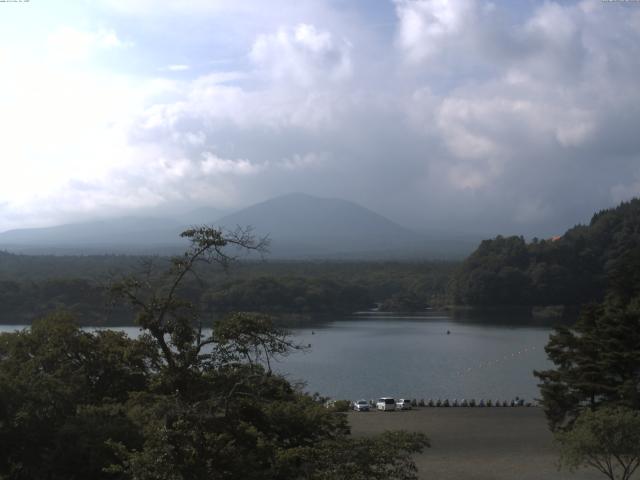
389	403
384	404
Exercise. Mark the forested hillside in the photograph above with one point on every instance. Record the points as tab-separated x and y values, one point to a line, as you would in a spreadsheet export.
32	286
569	270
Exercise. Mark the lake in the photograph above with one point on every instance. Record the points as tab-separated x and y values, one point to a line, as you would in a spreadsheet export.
412	356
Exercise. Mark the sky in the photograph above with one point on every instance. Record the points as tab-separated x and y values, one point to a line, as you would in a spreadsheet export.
514	117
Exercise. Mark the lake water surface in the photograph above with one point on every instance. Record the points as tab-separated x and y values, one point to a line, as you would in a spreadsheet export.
372	355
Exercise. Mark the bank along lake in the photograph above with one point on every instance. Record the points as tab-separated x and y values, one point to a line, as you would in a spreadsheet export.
429	355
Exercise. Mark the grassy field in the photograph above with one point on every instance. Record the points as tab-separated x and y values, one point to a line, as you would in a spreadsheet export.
476	443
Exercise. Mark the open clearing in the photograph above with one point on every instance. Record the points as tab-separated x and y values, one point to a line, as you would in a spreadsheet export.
476	443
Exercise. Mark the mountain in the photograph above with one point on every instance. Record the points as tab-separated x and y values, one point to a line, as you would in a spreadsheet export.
116	235
299	226
304	226
202	215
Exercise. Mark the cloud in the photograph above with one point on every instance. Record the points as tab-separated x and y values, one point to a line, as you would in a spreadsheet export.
159	7
538	98
466	115
424	25
303	55
213	164
178	67
67	44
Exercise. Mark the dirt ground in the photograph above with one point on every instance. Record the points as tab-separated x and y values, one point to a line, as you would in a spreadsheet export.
476	443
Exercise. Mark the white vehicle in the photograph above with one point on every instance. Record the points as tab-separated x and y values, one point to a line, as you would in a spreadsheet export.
386	403
361	406
403	404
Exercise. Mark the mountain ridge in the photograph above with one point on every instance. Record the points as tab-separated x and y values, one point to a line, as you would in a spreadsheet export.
300	226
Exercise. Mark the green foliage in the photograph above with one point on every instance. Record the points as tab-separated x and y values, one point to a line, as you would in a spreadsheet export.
340	406
61	392
30	286
404	302
569	270
597	359
607	439
288	295
24	301
387	457
175	403
252	338
596	363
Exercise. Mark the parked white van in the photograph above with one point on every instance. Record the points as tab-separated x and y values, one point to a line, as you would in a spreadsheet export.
386	403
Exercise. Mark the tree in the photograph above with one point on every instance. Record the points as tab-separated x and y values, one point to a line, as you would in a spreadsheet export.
61	394
597	363
598	359
607	439
382	458
215	409
176	403
163	313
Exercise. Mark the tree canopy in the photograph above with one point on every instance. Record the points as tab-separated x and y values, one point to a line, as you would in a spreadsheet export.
176	403
32	286
607	440
571	269
598	359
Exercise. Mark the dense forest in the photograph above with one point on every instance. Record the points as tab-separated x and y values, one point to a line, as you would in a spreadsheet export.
175	403
31	286
567	270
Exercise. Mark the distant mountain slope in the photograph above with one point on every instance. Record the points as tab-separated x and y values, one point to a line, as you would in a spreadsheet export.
301	225
571	269
117	235
202	215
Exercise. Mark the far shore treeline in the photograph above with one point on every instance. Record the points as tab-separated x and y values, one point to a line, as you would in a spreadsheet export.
31	286
569	270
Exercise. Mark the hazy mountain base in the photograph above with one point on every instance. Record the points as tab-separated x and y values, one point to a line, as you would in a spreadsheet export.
299	226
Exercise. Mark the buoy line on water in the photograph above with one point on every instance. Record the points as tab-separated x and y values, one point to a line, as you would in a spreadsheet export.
496	362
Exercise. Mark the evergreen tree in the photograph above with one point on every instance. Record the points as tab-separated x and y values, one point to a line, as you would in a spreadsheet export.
598	360
571	269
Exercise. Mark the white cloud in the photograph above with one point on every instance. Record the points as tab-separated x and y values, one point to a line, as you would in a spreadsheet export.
425	24
213	164
304	55
67	44
178	67
216	102
553	23
155	7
